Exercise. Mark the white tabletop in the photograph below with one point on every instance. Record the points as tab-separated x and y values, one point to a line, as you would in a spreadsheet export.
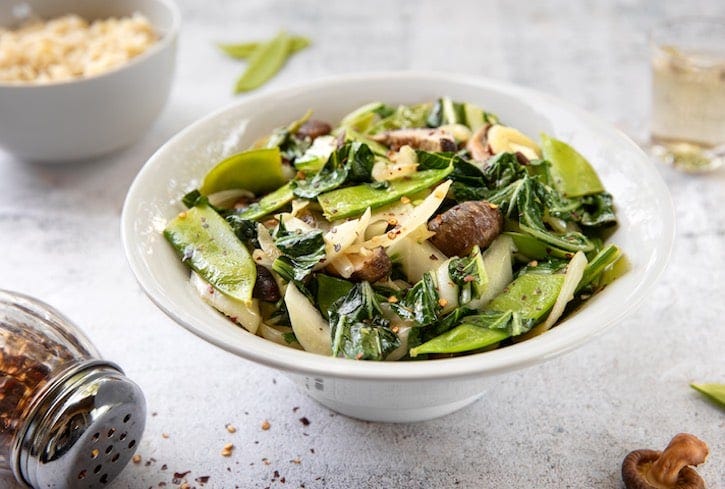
566	423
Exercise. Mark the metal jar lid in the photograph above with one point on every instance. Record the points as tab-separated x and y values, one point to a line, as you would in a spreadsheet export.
83	431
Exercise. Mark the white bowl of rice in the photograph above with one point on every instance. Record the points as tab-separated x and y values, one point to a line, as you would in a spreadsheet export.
82	78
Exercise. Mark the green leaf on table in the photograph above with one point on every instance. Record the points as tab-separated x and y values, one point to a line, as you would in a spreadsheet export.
716	392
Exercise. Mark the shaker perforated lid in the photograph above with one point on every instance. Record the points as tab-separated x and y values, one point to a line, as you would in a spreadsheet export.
83	431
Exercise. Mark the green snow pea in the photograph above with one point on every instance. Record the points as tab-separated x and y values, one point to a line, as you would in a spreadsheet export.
573	175
352	201
244	50
265	62
269	203
206	243
256	170
525	302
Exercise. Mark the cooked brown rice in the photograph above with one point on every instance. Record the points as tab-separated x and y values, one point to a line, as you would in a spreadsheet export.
70	47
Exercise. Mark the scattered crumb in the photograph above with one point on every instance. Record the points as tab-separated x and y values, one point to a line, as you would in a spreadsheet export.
136	459
296	461
266	425
231	428
305	421
227	450
442	302
266	461
165	436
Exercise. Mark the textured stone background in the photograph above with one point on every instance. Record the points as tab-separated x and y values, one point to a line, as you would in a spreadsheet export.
566	423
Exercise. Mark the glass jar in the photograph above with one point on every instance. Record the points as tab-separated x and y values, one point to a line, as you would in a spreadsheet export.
67	418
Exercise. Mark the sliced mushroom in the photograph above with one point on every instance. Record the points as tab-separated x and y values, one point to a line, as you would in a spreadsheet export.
367	265
265	287
373	267
314	129
426	139
464	226
477	145
670	469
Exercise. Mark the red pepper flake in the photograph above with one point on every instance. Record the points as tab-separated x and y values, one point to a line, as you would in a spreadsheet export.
359	356
305	421
469	278
442	302
392	299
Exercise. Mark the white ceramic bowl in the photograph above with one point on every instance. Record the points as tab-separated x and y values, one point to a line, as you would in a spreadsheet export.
395	391
89	117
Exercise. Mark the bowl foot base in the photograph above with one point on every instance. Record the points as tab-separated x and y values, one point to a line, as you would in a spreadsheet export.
393	415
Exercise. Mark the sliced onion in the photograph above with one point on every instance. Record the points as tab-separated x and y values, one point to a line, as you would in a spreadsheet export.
415	218
227	198
246	316
574	273
497	263
310	328
276	334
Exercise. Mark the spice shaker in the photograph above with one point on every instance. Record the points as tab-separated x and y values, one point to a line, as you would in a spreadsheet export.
68	419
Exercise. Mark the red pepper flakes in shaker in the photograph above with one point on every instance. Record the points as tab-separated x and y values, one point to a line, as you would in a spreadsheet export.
66	416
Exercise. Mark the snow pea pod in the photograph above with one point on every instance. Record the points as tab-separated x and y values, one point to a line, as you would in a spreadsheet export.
572	173
462	338
352	201
256	170
269	203
244	50
264	63
207	244
523	304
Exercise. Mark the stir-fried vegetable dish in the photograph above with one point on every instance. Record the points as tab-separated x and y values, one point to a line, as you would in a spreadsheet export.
405	232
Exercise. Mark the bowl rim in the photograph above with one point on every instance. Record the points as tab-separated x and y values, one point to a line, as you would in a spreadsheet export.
520	355
162	44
